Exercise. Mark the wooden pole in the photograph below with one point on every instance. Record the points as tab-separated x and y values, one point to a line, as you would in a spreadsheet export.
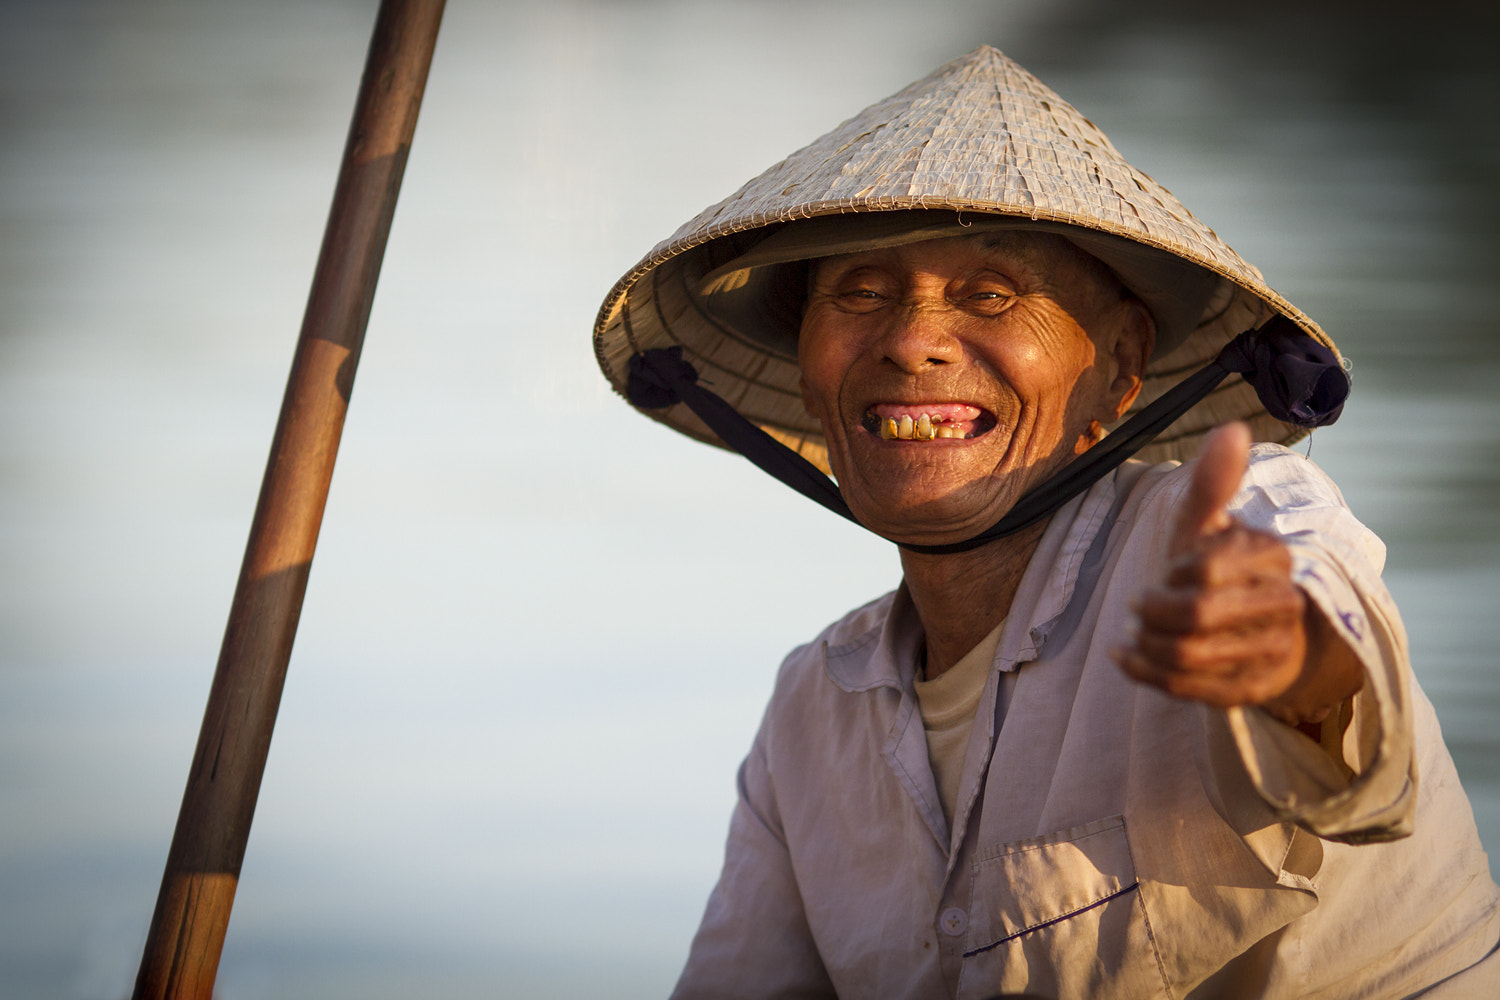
181	957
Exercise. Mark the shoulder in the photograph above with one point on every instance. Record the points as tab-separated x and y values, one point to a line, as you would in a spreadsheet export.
822	695
1283	493
1275	474
1281	479
856	631
1278	482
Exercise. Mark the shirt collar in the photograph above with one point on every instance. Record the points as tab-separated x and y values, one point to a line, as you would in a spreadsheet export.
880	647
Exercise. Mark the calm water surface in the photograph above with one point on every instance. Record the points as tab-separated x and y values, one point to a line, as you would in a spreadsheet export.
541	630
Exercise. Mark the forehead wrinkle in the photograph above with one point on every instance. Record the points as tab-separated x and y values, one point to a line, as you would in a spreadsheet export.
1056	264
1042	252
1024	252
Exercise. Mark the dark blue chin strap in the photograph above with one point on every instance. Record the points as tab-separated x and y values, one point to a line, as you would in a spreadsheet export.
1298	380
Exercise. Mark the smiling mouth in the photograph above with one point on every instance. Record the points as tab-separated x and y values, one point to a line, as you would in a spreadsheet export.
926	422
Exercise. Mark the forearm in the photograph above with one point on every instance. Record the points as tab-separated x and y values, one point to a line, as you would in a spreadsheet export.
1331	673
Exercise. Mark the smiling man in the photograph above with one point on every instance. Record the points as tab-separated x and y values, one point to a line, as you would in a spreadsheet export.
1018	344
1124	729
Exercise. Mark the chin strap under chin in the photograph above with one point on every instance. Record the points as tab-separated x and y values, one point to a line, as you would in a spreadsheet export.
1298	380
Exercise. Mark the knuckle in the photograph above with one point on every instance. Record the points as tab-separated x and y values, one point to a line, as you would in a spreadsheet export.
1185	570
1203	611
1284	602
1155	607
1178	686
1181	651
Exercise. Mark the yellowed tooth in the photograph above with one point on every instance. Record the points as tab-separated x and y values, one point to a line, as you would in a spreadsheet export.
888	429
924	428
946	432
906	429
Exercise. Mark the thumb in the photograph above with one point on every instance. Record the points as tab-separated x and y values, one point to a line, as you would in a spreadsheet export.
1216	476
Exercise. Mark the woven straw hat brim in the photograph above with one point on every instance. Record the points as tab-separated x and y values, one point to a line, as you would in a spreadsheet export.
760	295
982	136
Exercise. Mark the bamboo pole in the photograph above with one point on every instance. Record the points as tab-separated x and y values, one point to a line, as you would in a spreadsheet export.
181	957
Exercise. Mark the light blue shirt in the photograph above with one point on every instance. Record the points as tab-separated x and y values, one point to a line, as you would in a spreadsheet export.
1109	840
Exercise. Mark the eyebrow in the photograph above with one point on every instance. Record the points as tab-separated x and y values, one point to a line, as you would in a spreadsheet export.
1010	240
1030	253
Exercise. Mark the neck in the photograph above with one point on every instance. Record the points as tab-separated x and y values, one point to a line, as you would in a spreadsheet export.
962	596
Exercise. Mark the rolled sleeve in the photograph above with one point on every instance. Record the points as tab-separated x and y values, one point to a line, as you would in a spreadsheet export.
1336	562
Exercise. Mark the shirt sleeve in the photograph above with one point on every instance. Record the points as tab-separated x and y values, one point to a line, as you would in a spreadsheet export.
1336	561
754	940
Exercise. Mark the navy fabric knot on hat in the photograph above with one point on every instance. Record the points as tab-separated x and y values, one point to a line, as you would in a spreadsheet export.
653	374
1297	379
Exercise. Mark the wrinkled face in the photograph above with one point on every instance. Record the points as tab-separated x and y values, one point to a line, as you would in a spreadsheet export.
953	376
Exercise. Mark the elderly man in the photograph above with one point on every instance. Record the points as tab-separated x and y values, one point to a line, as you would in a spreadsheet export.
1124	730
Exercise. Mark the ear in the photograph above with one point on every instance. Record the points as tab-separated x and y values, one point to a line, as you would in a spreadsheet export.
1131	352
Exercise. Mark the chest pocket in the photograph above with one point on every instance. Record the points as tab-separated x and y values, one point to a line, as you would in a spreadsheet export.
1061	915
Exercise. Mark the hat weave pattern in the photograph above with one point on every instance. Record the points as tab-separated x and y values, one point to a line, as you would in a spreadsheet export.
980	134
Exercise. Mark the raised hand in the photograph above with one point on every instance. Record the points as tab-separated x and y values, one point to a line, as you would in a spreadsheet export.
1228	626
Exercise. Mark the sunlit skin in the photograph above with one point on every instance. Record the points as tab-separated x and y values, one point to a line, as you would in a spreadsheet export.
1023	328
1227	626
1026	345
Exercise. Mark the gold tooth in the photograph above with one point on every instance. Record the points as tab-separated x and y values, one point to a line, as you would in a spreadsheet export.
924	428
888	429
906	428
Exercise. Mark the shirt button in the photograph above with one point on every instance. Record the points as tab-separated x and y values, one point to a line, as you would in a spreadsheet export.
953	922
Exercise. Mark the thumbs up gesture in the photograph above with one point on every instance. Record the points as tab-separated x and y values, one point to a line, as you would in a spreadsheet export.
1228	626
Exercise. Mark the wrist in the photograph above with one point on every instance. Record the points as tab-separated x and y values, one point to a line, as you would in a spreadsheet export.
1331	674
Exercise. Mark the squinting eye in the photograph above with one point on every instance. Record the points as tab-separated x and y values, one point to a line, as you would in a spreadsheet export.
861	297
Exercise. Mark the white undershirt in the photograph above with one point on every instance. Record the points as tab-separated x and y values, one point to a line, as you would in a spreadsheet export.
948	703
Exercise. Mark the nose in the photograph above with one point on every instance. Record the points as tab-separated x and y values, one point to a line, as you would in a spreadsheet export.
919	337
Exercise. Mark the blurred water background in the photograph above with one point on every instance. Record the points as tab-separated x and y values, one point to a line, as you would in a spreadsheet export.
540	629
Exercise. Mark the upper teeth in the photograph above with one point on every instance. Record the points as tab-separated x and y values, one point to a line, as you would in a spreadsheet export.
924	428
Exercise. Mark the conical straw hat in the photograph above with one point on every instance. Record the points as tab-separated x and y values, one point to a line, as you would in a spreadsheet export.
980	136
